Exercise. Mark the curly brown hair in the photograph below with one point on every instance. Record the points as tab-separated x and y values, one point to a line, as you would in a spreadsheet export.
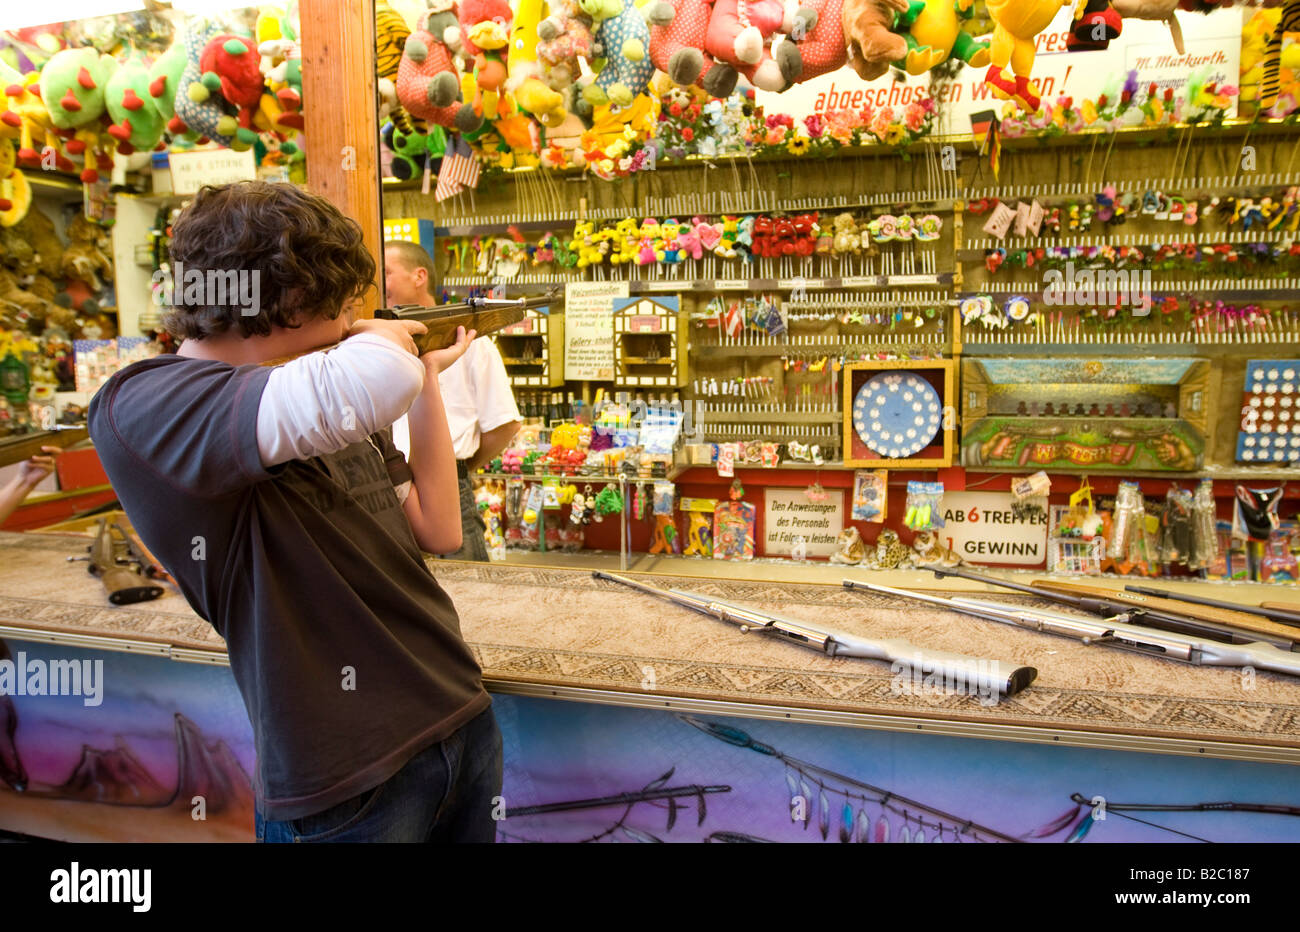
308	259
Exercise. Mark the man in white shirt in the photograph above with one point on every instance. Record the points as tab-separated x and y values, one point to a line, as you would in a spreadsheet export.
481	410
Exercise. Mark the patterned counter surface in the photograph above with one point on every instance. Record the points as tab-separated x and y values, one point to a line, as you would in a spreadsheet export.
536	627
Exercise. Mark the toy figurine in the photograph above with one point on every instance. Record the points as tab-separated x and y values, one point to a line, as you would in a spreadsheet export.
1016	25
889	553
930	551
851	548
933	33
665	535
699	535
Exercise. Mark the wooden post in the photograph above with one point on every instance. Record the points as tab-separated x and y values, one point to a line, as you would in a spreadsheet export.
339	107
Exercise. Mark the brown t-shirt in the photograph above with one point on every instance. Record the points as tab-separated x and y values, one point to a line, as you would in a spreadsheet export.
346	650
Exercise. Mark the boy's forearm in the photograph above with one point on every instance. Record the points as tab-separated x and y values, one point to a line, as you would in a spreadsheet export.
435	511
12	494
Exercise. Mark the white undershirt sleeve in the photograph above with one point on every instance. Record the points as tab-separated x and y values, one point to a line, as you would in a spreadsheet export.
323	402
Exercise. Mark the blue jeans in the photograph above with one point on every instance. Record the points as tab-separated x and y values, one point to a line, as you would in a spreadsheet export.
446	793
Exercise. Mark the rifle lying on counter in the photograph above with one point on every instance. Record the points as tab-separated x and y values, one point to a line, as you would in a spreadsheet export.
1230	627
1270	610
991	676
1116	631
118	565
484	315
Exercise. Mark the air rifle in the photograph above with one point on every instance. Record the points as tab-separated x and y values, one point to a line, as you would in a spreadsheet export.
484	315
987	676
121	577
1141	611
1117	631
1267	610
16	449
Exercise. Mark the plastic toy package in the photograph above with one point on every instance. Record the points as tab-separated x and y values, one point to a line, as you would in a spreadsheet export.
924	506
1205	541
1128	522
1177	527
870	489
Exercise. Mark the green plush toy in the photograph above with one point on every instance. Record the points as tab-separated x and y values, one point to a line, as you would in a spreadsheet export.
137	124
72	86
164	81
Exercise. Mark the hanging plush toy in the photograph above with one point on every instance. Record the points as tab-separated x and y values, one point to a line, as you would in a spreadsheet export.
740	31
137	124
564	45
414	146
1271	83
872	45
525	70
677	32
1016	25
72	86
428	83
932	30
485	31
198	103
622	39
164	83
25	117
391	33
15	193
1155	10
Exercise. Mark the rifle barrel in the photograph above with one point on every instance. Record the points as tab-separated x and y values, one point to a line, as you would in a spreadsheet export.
1272	614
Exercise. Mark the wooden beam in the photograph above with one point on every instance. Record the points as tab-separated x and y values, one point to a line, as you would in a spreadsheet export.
342	123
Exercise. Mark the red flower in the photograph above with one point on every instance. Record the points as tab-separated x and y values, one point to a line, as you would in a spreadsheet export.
1068	103
1125	96
675	109
688	134
1169	95
1151	89
1101	102
693	112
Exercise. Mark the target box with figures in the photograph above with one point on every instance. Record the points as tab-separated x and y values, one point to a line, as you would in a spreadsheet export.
900	413
1270	413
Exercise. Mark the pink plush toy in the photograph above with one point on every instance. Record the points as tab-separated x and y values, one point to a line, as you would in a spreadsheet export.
739	34
428	82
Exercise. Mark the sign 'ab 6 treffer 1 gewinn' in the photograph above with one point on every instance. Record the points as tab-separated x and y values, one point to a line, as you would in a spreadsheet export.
981	527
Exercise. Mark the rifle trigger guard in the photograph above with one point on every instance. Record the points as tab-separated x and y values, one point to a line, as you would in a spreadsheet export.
1089	641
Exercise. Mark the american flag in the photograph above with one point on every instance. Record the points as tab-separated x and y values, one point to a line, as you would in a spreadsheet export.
459	170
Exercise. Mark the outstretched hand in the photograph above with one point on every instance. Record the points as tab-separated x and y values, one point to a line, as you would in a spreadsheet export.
440	360
36	468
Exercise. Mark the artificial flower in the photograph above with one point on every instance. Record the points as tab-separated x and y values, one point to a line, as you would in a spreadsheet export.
798	145
895	134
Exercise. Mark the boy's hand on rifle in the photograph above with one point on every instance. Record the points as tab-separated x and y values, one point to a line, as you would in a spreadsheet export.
400	332
439	360
35	469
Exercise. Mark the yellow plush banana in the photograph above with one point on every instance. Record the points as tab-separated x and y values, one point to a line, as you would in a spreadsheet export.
525	70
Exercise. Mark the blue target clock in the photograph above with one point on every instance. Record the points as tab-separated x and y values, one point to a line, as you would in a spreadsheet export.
897	414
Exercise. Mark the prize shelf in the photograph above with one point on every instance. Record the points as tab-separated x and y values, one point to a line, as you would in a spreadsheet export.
972	347
1281	289
668	286
713	351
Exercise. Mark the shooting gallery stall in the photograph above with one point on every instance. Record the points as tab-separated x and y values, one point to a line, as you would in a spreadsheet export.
631	719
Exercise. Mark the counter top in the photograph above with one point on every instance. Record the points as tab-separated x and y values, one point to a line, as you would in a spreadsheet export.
558	632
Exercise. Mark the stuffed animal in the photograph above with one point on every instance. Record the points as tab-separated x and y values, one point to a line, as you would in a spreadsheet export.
805	234
782	241
740	30
650	247
622	39
847	239
730	229
72	86
932	31
872	45
164	82
524	79
889	553
413	143
38	230
564	45
670	242
1270	85
745	238
279	109
485	32
198	105
1156	10
677	33
137	124
428	83
762	235
851	548
15	192
85	259
625	241
930	550
1016	25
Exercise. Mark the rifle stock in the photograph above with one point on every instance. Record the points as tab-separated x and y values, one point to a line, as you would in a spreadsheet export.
484	315
124	586
16	449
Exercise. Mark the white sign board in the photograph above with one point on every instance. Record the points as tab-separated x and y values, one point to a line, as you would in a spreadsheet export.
589	329
1213	40
981	528
791	521
192	170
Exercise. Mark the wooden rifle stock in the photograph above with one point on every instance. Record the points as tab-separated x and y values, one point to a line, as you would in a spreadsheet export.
124	585
16	449
484	315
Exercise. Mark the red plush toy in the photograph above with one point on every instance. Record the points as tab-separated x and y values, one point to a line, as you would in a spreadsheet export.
805	232
235	61
763	230
782	237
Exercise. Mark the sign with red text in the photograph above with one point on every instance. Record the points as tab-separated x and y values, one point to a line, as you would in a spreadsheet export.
1212	40
980	527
